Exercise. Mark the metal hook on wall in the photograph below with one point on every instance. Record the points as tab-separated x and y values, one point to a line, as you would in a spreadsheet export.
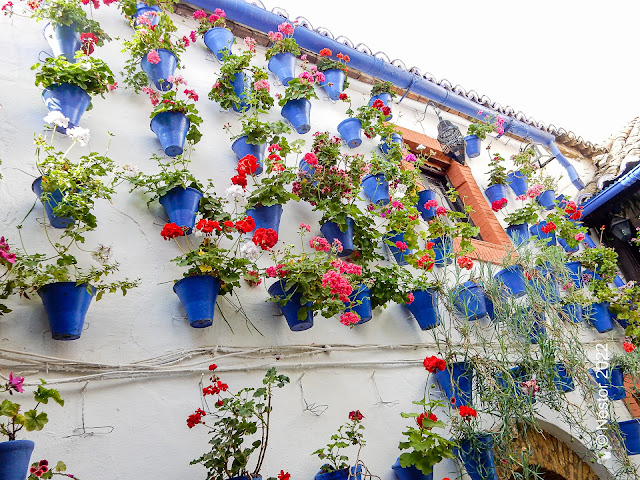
84	431
315	408
424	114
375	387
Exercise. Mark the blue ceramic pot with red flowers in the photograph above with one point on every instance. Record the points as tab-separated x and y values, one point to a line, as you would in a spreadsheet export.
219	40
266	217
352	473
198	295
496	192
332	232
181	205
386	99
152	12
423	197
548	237
333	82
63	39
241	148
457	382
424	308
15	456
360	303
385	147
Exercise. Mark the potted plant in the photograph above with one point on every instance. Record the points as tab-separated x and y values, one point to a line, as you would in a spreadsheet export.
70	86
282	53
216	36
383	91
475	447
519	221
67	23
154	54
337	467
68	189
476	132
16	454
174	119
544	190
455	379
256	135
426	448
368	118
296	107
525	167
497	189
335	73
237	416
265	202
573	302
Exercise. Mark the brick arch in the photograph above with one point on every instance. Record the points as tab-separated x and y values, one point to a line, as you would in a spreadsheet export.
555	459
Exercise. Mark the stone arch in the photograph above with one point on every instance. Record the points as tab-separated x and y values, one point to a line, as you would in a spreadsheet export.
554	459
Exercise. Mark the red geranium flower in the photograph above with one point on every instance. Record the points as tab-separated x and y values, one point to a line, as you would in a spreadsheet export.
465	262
171	230
239	180
265	238
628	347
246	225
325	52
356	415
247	165
434	363
343	97
212	367
284	476
467	412
424	415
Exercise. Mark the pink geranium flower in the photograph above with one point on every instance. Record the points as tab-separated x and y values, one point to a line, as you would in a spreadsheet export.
153	57
15	383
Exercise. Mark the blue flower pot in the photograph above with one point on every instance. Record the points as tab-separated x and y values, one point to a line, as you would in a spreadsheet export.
198	296
611	380
519	233
15	457
536	330
512	385
181	205
54	199
350	130
298	113
68	99
63	40
219	40
424	308
159	72
630	431
573	311
331	232
398	254
376	188
410	473
241	148
443	251
562	378
512	280
563	243
548	238
66	305
473	143
385	148
171	129
423	197
266	217
333	82
457	382
546	285
386	99
491	311
469	299
477	456
143	8
308	170
241	86
356	474
360	303
518	182
575	273
283	65
291	307
599	316
496	192
547	199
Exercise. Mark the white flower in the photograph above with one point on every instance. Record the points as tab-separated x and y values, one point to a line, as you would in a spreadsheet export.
400	191
250	251
420	147
79	134
102	254
57	118
234	192
130	170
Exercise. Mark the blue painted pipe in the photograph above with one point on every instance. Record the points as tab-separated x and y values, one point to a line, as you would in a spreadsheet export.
622	184
259	19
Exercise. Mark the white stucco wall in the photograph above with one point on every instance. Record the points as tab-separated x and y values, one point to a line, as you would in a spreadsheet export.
147	328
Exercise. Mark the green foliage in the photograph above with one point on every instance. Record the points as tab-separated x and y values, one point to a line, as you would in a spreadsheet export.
238	417
497	172
69	12
270	190
59	469
262	133
222	91
287	44
480	129
348	434
298	88
529	213
171	103
383	87
89	73
524	162
327	63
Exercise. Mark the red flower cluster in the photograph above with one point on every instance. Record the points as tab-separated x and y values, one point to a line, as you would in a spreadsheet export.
252	278
284	475
441	211
343	57
246	225
549	227
171	230
344	97
215	389
424	415
212	367
39	468
379	105
195	418
325	52
426	261
498	205
433	363
465	262
239	180
247	165
265	238
277	271
574	212
467	412
89	40
208	226
628	347
356	416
